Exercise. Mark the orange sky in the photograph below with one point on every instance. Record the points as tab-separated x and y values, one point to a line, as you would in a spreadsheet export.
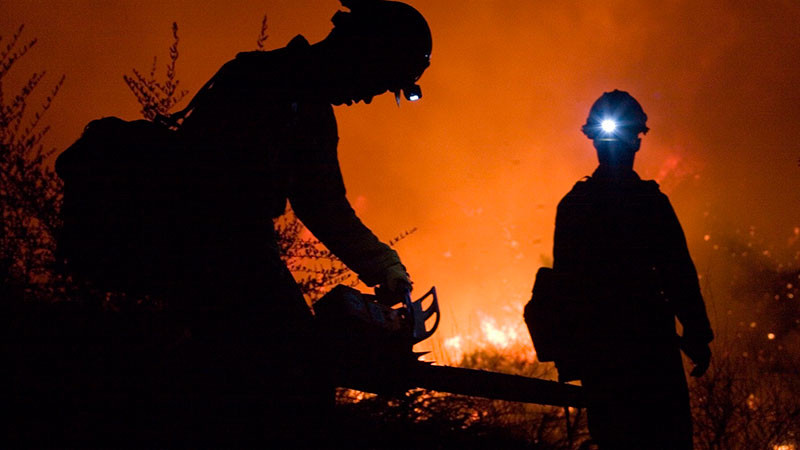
480	163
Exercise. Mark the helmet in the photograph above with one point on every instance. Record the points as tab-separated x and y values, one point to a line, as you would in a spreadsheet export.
398	36
615	115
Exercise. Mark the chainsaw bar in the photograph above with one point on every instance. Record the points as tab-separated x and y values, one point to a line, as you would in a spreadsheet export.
463	381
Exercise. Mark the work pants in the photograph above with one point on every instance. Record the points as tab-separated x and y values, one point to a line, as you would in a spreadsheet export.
642	403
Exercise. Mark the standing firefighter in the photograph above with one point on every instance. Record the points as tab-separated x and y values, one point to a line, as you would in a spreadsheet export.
617	237
263	131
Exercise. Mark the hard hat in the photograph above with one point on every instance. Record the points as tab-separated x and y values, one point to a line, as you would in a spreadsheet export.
614	116
398	36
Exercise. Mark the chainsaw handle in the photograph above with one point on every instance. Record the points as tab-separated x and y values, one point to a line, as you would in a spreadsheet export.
390	298
416	315
419	316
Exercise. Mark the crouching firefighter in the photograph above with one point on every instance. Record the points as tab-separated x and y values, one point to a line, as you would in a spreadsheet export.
264	131
261	131
621	275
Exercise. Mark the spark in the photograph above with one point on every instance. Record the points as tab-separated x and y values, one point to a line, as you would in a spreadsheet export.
752	402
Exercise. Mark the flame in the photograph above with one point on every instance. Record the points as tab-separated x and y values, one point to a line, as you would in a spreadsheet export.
354	396
499	336
455	347
502	333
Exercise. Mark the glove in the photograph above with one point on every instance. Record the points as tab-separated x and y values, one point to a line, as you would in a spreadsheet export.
396	279
699	353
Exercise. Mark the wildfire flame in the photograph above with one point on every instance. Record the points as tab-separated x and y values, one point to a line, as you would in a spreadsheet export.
502	334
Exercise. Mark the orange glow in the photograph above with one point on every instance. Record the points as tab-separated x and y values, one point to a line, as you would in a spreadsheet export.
479	164
784	447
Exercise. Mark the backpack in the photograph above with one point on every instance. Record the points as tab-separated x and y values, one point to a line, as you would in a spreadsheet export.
124	182
543	315
562	317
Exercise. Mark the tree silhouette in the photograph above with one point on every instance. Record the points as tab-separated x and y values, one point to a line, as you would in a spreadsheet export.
262	35
30	191
158	97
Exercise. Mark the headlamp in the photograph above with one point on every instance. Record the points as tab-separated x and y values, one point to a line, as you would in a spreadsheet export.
608	125
412	93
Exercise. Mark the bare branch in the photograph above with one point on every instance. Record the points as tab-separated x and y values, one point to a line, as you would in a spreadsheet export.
262	35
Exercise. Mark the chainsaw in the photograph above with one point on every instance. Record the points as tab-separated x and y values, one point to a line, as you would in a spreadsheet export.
375	330
369	342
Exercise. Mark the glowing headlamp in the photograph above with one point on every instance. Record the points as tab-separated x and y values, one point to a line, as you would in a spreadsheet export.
608	126
411	93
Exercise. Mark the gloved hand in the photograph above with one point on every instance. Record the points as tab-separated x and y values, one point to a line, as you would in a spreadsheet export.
699	353
396	279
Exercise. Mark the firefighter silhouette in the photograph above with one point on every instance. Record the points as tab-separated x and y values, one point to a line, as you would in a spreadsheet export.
618	237
263	131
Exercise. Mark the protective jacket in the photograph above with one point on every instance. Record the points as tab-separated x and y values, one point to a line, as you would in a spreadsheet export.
261	137
620	239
